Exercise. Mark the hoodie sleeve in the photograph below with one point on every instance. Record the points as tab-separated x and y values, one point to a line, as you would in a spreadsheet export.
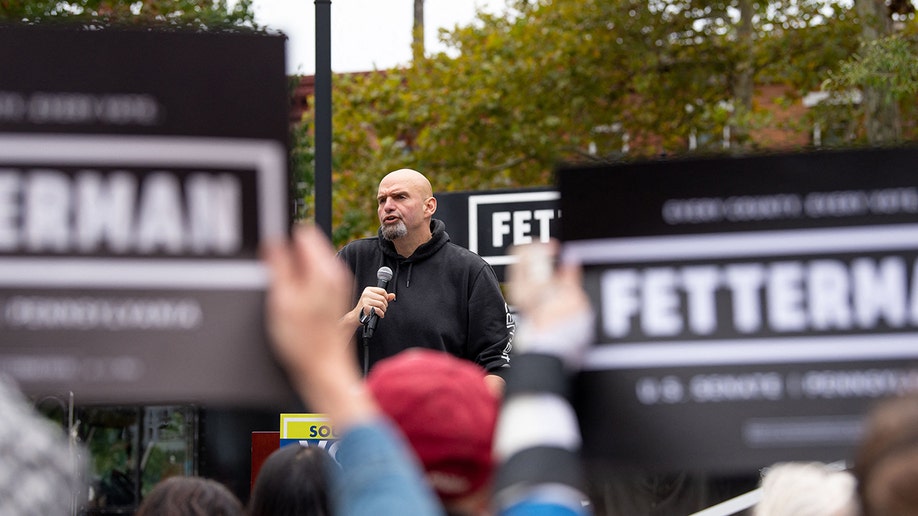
491	325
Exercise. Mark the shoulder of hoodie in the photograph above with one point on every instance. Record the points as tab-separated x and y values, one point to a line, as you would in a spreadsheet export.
455	251
471	258
359	245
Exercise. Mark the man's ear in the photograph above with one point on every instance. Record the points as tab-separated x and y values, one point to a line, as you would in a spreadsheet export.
431	205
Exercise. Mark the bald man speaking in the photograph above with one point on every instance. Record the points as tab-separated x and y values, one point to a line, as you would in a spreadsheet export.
440	295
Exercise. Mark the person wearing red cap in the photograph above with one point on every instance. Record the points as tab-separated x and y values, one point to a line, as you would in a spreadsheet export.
447	412
309	289
448	416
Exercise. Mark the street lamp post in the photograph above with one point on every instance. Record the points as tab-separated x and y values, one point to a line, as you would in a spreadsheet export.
323	117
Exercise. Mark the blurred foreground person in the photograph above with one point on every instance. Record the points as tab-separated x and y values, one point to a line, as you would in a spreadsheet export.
309	290
293	481
807	489
886	463
445	408
540	469
41	474
190	496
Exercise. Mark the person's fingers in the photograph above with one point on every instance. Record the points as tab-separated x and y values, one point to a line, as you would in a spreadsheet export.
570	274
308	248
276	256
322	253
320	267
378	307
388	298
531	276
371	299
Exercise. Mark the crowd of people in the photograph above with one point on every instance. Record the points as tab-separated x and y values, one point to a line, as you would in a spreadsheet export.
436	420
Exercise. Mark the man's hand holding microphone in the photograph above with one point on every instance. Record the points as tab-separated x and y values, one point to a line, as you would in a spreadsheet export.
372	304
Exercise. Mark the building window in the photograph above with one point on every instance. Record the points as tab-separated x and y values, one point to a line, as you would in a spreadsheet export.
609	141
835	122
131	448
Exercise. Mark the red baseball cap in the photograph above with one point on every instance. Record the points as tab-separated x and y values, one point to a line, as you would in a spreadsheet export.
445	409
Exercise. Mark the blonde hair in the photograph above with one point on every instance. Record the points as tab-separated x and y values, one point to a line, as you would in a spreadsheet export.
807	489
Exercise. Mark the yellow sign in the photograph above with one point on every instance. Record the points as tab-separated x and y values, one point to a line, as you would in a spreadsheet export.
306	426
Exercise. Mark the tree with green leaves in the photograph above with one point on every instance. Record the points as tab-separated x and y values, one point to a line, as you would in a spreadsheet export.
417	31
198	14
884	69
593	80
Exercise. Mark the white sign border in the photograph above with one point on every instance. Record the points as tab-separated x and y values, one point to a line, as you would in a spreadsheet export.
267	157
893	237
478	200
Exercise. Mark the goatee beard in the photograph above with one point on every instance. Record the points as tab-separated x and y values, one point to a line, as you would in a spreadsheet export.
394	231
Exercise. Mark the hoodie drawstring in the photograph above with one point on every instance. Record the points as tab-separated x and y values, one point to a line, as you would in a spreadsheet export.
393	283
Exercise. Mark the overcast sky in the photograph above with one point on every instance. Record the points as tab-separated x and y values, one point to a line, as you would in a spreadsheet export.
365	33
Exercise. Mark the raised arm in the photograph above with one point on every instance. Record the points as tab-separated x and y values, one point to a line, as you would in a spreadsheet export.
309	290
540	469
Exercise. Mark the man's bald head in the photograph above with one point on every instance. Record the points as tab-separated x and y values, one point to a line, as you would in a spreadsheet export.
409	178
405	205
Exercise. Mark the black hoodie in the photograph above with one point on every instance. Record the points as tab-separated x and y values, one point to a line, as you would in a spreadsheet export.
446	298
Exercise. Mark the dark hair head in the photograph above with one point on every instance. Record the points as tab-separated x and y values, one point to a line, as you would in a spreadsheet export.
293	481
190	496
886	464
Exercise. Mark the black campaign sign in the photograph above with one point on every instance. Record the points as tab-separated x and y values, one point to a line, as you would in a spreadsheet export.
750	310
489	223
139	173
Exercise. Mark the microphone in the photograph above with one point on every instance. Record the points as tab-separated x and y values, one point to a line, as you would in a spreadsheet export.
383	275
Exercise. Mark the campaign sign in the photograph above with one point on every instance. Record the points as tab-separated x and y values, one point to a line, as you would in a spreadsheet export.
489	223
308	430
749	310
139	173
